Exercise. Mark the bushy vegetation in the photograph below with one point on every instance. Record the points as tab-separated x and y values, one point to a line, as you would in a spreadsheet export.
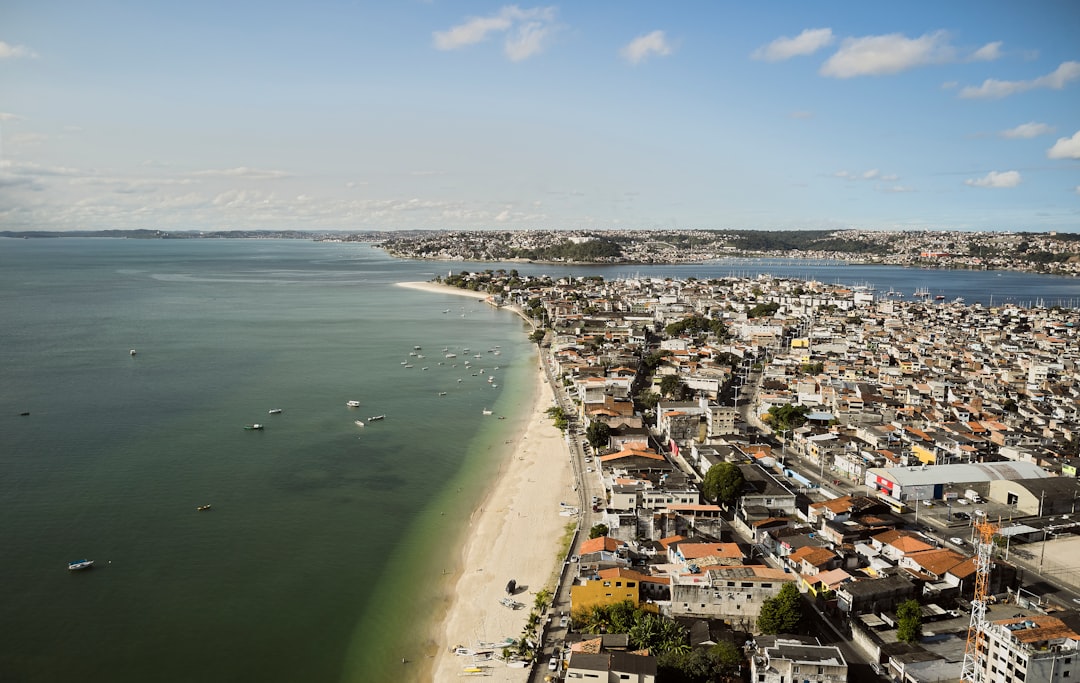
723	483
781	613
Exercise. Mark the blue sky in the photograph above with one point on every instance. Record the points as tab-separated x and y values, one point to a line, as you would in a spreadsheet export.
397	115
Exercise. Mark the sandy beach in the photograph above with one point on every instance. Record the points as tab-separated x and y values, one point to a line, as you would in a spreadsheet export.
444	289
514	534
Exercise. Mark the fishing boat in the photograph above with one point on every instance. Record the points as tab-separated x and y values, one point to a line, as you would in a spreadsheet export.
275	411
451	355
254	427
376	418
353	404
201	508
78	565
442	393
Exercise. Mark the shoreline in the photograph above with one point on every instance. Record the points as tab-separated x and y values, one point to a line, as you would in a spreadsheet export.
515	532
439	288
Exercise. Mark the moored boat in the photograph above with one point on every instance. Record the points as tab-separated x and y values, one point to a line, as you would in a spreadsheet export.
487	412
358	423
275	411
78	565
376	418
202	508
353	404
254	427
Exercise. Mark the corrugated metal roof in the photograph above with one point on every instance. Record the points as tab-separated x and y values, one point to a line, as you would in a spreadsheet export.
960	474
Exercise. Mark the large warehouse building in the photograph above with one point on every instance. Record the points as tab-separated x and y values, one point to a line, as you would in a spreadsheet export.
929	482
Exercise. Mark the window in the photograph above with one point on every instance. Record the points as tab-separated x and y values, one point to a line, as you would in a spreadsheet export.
766	585
630	584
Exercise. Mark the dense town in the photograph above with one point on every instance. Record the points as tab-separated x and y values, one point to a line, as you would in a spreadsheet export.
1057	253
811	482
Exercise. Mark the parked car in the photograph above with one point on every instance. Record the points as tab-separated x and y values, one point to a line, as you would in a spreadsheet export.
553	664
961	515
956	541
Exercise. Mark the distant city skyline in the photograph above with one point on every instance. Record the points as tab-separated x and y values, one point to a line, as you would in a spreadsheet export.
428	114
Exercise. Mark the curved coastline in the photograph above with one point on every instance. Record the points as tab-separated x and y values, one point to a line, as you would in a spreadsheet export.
515	532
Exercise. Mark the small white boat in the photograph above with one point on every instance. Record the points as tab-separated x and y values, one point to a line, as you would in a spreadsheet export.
275	411
416	348
253	428
132	352
78	565
376	418
203	508
487	412
451	355
353	404
442	393
358	423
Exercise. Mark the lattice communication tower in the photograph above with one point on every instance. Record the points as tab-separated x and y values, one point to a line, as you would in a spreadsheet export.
974	670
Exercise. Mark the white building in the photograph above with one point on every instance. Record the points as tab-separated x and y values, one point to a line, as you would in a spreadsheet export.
796	659
1030	649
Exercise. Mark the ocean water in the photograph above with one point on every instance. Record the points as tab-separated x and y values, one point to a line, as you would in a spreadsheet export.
327	544
328	550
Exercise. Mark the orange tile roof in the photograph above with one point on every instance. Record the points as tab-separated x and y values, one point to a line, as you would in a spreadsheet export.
1046	628
665	542
595	545
694	550
937	561
813	555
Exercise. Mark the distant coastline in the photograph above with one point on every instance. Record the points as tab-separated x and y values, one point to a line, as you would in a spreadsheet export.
1049	253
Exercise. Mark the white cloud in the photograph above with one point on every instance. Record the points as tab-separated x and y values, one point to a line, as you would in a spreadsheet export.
15	51
5	116
887	54
1066	148
241	172
1078	189
806	43
869	174
641	48
994	89
28	139
531	29
471	32
995	179
896	189
987	53
529	39
1027	130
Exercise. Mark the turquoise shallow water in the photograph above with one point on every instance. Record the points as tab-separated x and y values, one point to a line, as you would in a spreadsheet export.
315	521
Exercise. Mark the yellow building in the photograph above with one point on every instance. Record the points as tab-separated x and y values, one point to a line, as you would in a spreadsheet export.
604	591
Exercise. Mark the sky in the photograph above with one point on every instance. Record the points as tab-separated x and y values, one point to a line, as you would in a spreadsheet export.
431	114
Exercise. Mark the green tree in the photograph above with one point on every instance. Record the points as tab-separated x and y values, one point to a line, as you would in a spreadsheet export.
909	627
598	530
598	434
787	416
669	384
723	483
537	336
727	659
557	414
647	400
781	613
